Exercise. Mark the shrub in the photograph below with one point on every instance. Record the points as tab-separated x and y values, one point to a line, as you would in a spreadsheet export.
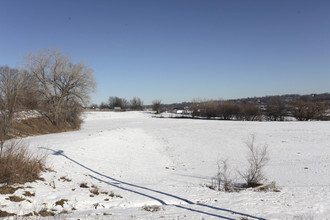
151	208
257	159
19	165
222	179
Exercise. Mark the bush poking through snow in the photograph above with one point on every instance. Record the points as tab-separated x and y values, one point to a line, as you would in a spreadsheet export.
151	208
19	165
253	175
222	181
84	185
257	160
307	216
61	202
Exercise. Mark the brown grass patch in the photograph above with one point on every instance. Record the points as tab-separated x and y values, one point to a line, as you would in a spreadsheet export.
95	190
84	185
8	189
65	179
61	202
6	214
29	214
15	199
46	213
19	165
112	194
151	208
29	194
38	126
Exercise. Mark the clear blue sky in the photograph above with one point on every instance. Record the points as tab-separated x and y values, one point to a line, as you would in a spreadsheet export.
177	50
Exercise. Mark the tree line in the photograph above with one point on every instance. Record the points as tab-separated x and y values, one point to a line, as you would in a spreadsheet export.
115	102
277	109
272	108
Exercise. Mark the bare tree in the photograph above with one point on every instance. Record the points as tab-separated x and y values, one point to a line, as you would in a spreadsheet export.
115	101
136	104
257	159
11	84
250	112
276	109
104	105
211	108
60	82
228	111
156	106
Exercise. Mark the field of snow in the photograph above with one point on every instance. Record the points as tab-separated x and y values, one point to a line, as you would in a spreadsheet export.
130	160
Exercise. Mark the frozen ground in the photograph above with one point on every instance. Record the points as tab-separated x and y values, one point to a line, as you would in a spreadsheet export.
134	160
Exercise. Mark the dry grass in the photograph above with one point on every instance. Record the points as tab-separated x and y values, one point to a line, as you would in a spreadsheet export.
151	208
28	194
8	189
15	199
19	165
95	191
46	213
61	202
6	214
84	185
37	126
65	179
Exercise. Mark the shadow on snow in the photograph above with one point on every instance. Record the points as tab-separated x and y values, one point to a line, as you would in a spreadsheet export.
116	183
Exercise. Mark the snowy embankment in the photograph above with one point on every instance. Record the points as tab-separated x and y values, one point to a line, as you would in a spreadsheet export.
130	160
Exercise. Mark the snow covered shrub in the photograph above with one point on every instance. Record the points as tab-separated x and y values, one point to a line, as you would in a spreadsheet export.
19	165
257	159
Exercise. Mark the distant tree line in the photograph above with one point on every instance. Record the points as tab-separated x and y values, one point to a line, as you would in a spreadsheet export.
122	104
276	109
226	110
271	108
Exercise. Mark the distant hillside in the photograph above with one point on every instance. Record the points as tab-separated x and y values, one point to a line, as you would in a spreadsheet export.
260	101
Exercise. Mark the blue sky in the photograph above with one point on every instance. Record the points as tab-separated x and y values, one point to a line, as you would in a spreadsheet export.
178	50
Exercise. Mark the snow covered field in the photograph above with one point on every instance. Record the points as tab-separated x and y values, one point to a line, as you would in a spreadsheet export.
130	160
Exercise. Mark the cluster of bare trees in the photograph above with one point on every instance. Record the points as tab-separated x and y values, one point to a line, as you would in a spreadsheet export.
277	109
225	110
304	111
50	83
121	103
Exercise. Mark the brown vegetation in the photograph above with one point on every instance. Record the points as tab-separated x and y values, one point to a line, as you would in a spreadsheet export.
63	86
156	106
226	110
18	165
304	111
